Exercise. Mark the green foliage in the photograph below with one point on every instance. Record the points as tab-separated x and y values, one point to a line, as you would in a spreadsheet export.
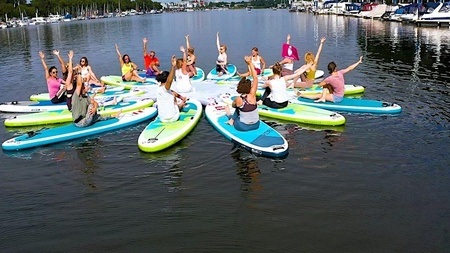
14	8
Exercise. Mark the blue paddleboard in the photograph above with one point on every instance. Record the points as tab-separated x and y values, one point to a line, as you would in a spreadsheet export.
354	105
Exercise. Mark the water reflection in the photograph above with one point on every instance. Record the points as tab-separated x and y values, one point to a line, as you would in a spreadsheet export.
248	171
88	154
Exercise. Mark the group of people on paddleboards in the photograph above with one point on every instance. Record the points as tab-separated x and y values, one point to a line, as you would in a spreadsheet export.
71	88
245	116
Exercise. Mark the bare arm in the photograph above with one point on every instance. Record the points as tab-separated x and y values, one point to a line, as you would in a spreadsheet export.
91	72
316	60
298	72
145	46
183	67
263	64
119	54
353	66
321	84
70	71
251	69
171	73
42	56
218	42
187	41
94	104
61	61
285	60
79	85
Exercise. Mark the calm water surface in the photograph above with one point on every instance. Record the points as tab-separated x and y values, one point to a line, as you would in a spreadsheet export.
377	184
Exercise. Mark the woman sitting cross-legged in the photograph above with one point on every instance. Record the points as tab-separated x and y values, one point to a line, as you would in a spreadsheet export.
245	117
275	95
168	105
334	85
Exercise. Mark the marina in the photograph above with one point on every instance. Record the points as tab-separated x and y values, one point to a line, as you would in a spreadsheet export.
376	183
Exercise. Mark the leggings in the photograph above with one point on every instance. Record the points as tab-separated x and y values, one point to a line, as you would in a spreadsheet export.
240	126
270	103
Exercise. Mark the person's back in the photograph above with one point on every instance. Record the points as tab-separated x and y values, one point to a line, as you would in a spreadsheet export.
167	108
183	83
337	81
248	113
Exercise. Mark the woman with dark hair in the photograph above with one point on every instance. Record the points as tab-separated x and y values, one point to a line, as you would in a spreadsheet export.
56	86
129	68
167	100
334	85
245	117
87	74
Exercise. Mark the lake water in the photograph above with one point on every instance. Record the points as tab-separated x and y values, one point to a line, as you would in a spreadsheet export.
377	184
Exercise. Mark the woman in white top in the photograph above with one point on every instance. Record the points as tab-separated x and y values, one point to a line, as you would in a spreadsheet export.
183	83
275	95
87	74
258	63
168	104
221	63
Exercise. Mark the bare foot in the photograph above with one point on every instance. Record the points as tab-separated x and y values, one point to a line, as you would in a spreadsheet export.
230	122
259	102
319	100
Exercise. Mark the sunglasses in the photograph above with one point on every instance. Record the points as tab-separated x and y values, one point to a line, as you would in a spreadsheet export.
54	72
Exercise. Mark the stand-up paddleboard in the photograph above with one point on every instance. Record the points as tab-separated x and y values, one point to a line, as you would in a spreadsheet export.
110	90
231	71
44	106
68	132
61	116
117	81
350	89
200	75
354	105
264	141
161	135
296	113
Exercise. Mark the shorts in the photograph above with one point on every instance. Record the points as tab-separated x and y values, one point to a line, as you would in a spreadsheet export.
337	99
